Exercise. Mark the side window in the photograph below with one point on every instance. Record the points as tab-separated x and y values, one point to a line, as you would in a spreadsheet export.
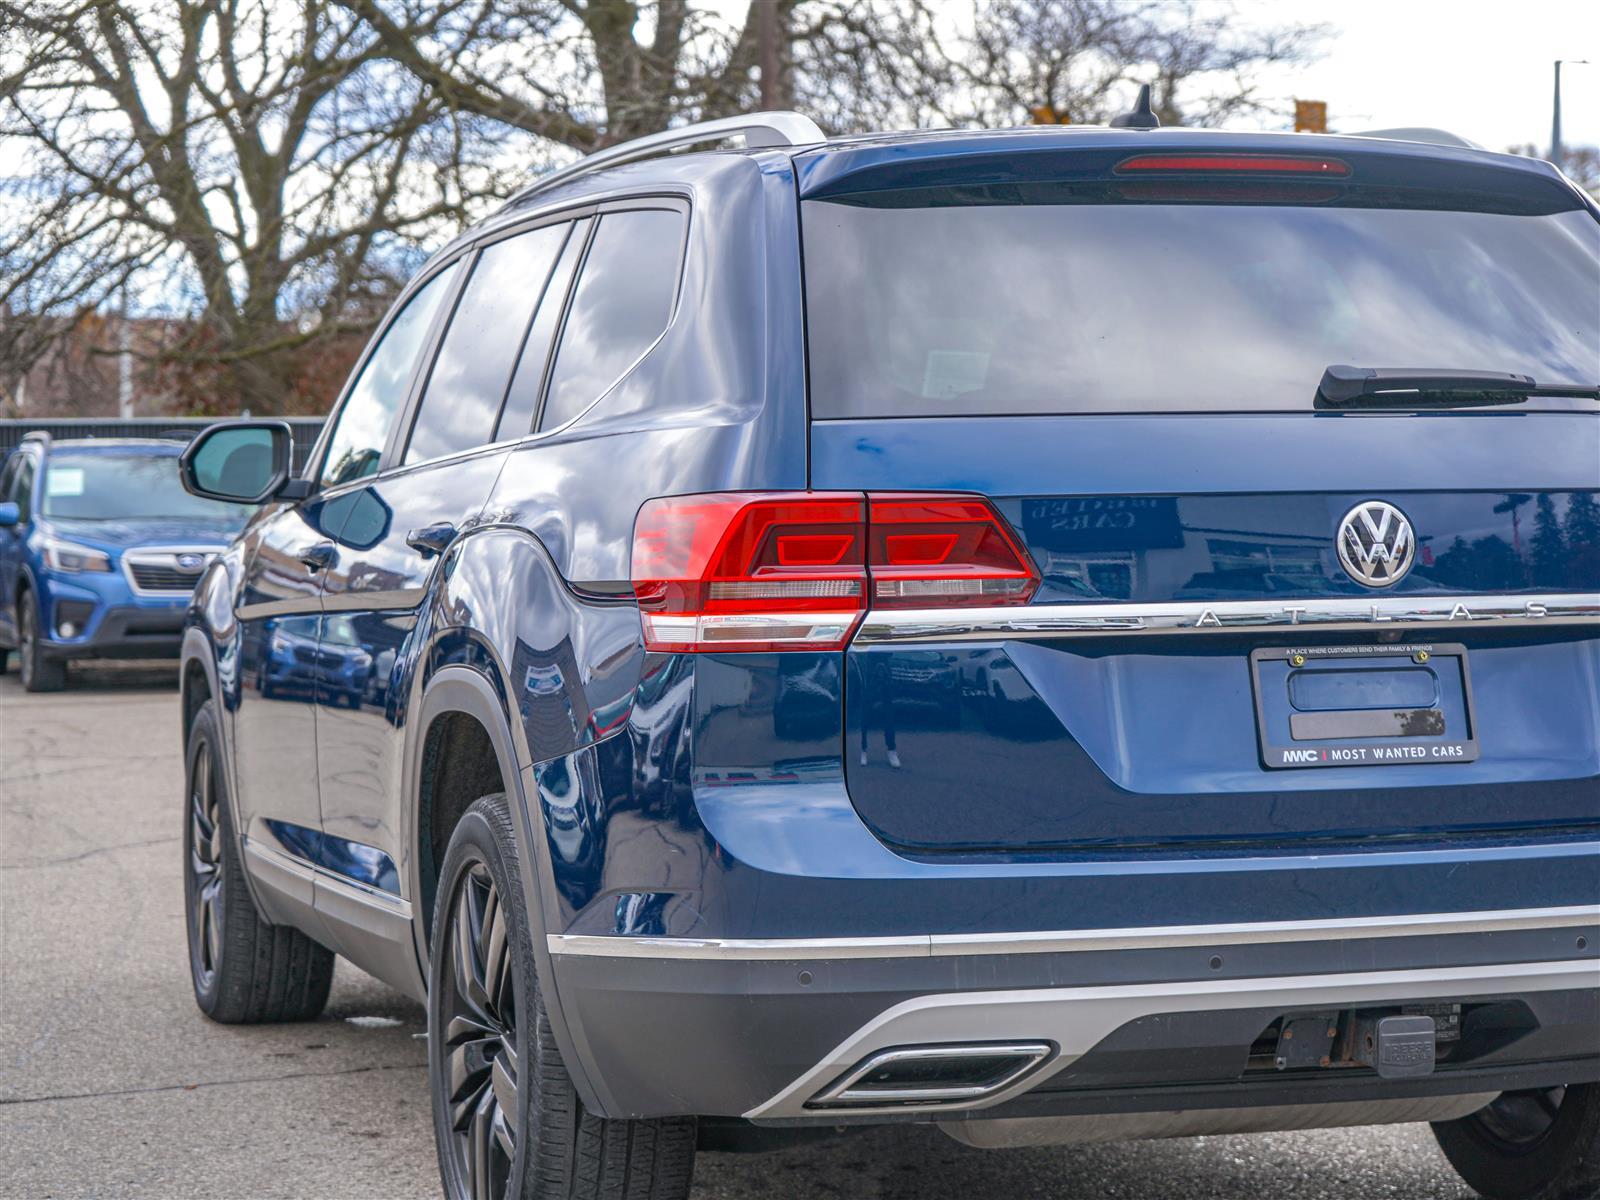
369	412
622	304
461	404
522	401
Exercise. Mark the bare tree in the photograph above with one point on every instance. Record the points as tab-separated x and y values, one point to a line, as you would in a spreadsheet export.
269	168
586	73
1081	59
257	164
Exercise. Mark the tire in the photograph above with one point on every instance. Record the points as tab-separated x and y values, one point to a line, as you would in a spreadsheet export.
245	970
40	672
1542	1145
483	1060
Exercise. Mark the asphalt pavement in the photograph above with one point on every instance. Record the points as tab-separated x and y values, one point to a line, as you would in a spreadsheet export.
112	1084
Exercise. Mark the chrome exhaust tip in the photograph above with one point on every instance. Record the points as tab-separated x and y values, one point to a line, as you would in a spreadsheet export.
933	1075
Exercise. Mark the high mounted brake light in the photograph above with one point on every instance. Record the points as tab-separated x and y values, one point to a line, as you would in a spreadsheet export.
1273	164
747	571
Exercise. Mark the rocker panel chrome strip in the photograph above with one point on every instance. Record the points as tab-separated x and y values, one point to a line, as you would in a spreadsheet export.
882	626
1069	941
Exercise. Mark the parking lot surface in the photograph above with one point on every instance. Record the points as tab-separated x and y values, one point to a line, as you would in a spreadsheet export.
112	1084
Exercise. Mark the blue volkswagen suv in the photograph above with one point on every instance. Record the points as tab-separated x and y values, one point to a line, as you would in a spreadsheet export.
1061	634
100	547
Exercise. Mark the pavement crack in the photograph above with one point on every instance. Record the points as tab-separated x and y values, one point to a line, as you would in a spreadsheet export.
35	864
208	1083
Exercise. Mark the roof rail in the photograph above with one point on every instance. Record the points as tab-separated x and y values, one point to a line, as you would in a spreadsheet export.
1418	133
758	130
42	436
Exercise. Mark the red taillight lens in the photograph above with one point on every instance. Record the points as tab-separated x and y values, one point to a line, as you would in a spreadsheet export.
732	571
791	571
942	552
1278	164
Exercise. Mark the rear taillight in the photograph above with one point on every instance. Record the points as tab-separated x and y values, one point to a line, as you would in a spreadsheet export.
796	571
943	552
740	571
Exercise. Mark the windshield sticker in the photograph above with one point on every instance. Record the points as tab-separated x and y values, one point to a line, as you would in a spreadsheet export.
64	481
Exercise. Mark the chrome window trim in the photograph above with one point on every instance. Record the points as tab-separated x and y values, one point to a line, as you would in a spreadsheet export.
165	556
938	945
1357	613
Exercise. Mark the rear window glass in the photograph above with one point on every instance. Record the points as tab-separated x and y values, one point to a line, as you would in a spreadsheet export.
960	309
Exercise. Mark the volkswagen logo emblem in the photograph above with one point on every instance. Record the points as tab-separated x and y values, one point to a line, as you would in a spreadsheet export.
1376	544
191	563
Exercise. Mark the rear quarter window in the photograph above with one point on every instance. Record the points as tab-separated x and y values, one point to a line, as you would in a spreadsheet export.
621	304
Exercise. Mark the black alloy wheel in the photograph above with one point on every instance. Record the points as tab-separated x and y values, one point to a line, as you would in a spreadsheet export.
479	1012
205	870
507	1119
245	970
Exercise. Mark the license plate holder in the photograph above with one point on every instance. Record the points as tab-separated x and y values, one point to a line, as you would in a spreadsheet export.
1363	705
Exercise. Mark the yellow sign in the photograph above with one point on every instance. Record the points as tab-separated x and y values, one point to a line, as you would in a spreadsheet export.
1311	116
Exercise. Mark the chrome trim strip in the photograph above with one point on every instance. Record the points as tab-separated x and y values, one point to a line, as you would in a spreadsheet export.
744	949
1077	1019
309	872
1361	613
938	945
360	893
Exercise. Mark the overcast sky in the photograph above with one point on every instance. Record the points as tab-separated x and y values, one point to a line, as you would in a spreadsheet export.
1480	68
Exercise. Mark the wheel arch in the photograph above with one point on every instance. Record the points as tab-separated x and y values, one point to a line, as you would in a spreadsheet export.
459	704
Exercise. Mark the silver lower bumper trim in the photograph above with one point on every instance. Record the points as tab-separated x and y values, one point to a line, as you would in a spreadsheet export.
1077	1019
935	945
1006	1133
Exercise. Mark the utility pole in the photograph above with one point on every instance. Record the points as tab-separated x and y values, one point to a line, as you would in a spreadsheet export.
124	360
1555	111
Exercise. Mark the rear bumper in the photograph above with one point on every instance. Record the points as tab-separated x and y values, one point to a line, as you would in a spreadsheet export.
724	928
1139	1020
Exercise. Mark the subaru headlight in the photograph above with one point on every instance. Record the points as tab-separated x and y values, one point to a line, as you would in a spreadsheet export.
69	556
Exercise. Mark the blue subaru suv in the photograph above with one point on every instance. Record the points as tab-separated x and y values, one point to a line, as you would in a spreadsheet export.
100	547
1061	634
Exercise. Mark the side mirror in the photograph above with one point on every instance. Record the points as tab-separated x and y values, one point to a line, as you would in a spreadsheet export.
242	462
10	514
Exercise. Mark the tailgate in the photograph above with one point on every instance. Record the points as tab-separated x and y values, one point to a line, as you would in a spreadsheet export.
1122	707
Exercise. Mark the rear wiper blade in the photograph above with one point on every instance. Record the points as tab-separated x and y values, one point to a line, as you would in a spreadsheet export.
1345	386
